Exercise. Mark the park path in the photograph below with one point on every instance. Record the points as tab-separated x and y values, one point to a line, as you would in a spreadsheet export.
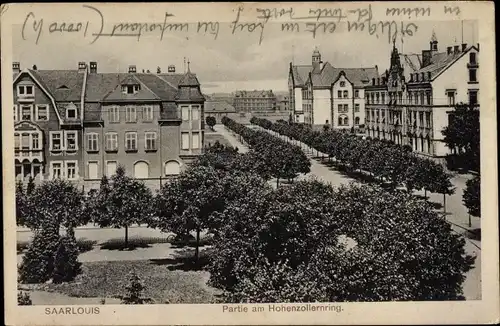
456	211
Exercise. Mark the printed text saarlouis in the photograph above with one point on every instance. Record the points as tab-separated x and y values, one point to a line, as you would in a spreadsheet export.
72	311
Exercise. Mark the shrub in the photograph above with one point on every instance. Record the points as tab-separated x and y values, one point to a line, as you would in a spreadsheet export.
23	299
37	265
472	196
135	290
66	264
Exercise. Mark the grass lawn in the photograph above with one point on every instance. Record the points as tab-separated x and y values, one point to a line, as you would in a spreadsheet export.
166	281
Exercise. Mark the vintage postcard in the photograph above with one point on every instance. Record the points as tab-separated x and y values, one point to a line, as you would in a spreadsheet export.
250	163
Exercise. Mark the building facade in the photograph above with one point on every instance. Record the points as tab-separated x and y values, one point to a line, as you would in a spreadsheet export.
254	101
329	95
82	124
218	109
410	104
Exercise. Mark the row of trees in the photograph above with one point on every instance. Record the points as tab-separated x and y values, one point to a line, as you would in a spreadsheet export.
285	161
385	161
306	242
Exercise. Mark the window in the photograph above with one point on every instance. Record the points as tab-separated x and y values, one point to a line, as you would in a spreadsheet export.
26	112
473	97
25	90
195	140
56	143
346	95
356	107
342	84
42	113
383	98
429	98
15	113
141	170
71	170
150	141
451	97
111	139
17	141
130	114
131	141
195	113
25	141
147	113
378	97
472	75
472	58
428	119
93	170
185	113
356	121
410	97
172	168
346	121
356	93
130	89
340	107
71	141
185	140
346	107
339	122
421	119
71	112
110	168
339	94
35	141
56	170
114	114
92	142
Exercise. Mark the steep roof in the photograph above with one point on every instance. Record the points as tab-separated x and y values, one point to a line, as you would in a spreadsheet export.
143	94
301	74
64	85
357	76
189	94
218	106
411	63
441	61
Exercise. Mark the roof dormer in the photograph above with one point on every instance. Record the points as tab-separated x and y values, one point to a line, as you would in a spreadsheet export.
130	85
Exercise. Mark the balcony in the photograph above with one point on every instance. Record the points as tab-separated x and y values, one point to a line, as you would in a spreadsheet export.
26	98
29	155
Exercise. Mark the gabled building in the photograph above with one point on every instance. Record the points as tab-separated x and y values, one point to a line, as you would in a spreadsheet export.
411	103
254	101
152	124
48	122
321	94
218	109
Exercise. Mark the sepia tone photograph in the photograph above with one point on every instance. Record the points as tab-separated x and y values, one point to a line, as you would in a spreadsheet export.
278	156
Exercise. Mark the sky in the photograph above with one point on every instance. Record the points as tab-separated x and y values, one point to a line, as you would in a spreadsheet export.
232	62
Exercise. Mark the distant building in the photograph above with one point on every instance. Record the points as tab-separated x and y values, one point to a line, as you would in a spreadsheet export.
282	103
228	97
218	109
321	94
254	101
411	102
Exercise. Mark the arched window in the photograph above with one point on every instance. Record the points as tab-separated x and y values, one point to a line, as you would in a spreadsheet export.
356	121
172	168
141	170
340	121
346	121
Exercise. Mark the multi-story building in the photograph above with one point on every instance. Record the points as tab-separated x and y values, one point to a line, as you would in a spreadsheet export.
218	109
254	101
152	124
411	103
282	103
328	95
48	122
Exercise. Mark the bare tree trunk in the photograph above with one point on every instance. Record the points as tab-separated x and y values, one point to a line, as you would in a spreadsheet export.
197	250
126	236
444	203
277	182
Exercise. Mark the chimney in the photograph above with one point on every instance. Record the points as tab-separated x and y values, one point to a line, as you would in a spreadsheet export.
171	69
448	50
426	57
16	68
132	69
82	66
478	46
456	49
464	47
93	67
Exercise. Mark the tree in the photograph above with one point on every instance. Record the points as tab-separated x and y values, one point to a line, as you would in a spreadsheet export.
31	186
193	201
124	202
472	196
56	203
66	264
135	289
310	242
462	136
22	213
211	122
